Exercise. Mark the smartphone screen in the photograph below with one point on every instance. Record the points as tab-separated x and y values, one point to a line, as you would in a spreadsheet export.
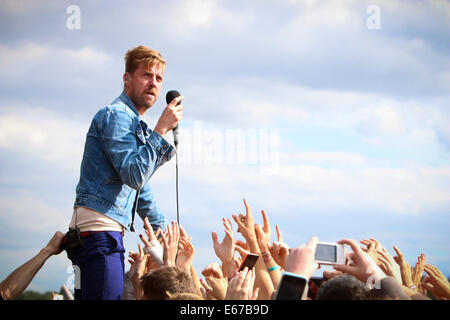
249	261
326	252
290	288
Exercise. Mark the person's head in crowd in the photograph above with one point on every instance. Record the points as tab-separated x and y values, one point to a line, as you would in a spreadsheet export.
184	296
159	283
344	287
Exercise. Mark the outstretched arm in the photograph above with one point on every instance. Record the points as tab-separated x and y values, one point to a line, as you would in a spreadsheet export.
20	278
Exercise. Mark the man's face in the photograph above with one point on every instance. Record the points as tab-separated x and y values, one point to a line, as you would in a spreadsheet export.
144	84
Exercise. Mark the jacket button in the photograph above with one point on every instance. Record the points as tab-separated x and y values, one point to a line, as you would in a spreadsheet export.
164	147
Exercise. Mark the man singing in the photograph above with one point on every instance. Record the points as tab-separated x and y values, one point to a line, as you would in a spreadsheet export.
121	153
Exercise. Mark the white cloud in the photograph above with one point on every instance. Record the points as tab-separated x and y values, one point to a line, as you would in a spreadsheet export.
43	62
42	136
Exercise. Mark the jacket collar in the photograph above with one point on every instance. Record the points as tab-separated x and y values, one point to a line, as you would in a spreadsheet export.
126	99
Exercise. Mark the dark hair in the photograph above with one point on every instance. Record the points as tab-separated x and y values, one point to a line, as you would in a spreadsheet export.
345	287
158	283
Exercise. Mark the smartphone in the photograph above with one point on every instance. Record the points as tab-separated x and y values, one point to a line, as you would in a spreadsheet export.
330	253
249	261
291	288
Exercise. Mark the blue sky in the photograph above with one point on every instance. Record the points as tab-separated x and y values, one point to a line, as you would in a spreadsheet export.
358	116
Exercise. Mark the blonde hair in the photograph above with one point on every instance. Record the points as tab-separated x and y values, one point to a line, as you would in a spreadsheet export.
135	56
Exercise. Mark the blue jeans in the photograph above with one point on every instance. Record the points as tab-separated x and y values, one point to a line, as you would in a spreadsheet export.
101	266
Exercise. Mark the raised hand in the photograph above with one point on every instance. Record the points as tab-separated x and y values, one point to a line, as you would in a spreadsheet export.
436	282
389	266
225	250
185	254
266	225
138	261
301	259
246	224
363	266
279	249
171	241
152	245
261	237
405	268
418	270
372	248
241	286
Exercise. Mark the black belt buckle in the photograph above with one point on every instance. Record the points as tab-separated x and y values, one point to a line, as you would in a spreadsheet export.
73	239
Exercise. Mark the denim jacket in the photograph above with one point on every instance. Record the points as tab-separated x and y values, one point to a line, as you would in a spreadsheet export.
120	155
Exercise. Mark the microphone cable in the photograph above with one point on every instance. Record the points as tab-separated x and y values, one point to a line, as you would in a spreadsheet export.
176	182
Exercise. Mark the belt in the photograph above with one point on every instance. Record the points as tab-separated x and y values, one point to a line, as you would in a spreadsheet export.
89	233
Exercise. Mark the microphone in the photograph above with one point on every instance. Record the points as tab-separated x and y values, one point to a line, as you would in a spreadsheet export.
172	94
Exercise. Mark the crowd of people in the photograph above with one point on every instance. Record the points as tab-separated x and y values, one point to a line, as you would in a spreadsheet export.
162	268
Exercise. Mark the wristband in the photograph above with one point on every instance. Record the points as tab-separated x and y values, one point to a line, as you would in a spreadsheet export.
265	253
273	268
156	251
266	259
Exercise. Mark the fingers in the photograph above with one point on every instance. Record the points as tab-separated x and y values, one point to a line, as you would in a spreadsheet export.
328	274
229	234
352	243
383	255
214	239
427	286
242	244
266	224
279	236
212	270
149	230
312	244
183	233
227	224
255	294
259	232
433	271
344	268
174	104
237	261
238	220
145	241
241	251
398	252
247	208
205	285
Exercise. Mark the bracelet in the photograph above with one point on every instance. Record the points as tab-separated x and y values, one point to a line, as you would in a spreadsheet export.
265	253
273	268
267	258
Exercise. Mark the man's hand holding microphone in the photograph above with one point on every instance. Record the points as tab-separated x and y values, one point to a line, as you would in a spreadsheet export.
171	115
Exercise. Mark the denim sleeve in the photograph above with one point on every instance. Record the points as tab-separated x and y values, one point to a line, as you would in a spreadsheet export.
147	207
134	165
